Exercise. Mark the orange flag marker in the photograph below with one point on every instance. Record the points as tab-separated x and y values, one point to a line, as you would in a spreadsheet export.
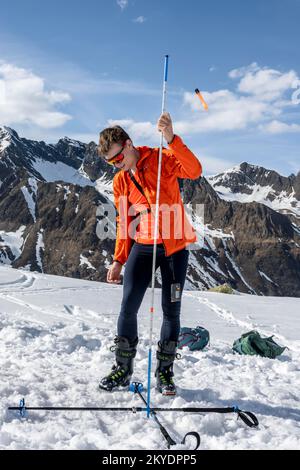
201	99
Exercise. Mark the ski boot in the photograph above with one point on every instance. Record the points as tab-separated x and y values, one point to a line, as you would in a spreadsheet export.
166	354
122	371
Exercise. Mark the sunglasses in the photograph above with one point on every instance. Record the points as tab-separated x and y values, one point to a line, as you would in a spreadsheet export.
118	158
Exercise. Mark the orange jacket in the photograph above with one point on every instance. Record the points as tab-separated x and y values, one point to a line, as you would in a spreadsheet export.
146	222
177	162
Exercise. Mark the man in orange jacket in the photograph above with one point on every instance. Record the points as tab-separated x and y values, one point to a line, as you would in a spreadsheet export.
135	198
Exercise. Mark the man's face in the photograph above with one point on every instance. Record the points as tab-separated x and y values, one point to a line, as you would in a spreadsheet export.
124	154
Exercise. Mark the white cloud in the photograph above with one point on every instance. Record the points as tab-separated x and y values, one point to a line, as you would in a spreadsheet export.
278	127
268	84
138	131
122	4
228	111
139	19
27	101
2	93
241	71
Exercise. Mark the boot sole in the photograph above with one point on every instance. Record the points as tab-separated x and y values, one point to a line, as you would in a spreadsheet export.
112	389
168	394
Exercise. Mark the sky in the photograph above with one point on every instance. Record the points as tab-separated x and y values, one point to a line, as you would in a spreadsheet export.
72	68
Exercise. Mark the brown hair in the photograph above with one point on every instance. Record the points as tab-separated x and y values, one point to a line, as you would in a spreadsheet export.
110	136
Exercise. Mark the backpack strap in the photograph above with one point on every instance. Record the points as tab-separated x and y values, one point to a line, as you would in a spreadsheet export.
136	183
139	187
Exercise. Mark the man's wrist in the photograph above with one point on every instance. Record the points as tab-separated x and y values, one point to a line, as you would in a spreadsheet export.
171	140
116	261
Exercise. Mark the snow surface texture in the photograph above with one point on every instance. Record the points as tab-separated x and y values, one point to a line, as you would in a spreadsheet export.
55	335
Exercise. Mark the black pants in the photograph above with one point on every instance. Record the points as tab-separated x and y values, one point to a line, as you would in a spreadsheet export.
137	276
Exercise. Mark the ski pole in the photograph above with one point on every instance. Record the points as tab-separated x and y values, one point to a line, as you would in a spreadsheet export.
156	222
136	387
247	417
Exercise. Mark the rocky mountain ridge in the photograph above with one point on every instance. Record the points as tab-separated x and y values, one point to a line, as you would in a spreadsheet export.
54	196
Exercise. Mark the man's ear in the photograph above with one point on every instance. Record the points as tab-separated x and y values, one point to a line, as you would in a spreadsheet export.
129	143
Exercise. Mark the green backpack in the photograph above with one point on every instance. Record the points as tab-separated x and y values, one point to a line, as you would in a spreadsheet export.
252	343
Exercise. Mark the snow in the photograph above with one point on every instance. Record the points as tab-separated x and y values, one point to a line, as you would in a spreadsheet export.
39	248
266	277
55	335
104	186
236	268
67	192
73	143
213	265
6	137
296	229
60	172
85	261
204	274
281	202
225	174
33	185
14	240
4	144
30	196
83	173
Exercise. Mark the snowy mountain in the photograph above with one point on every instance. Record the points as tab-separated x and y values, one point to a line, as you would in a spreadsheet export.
248	183
69	160
51	195
253	247
55	336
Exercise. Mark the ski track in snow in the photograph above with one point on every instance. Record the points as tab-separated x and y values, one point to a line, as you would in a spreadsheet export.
228	316
221	312
55	335
24	281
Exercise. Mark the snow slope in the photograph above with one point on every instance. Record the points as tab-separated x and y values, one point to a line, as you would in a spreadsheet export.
55	335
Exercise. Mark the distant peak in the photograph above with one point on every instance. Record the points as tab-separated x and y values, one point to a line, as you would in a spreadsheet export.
72	142
8	132
7	137
245	166
241	167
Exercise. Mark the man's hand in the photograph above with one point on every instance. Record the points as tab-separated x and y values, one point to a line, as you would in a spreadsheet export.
113	274
164	125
